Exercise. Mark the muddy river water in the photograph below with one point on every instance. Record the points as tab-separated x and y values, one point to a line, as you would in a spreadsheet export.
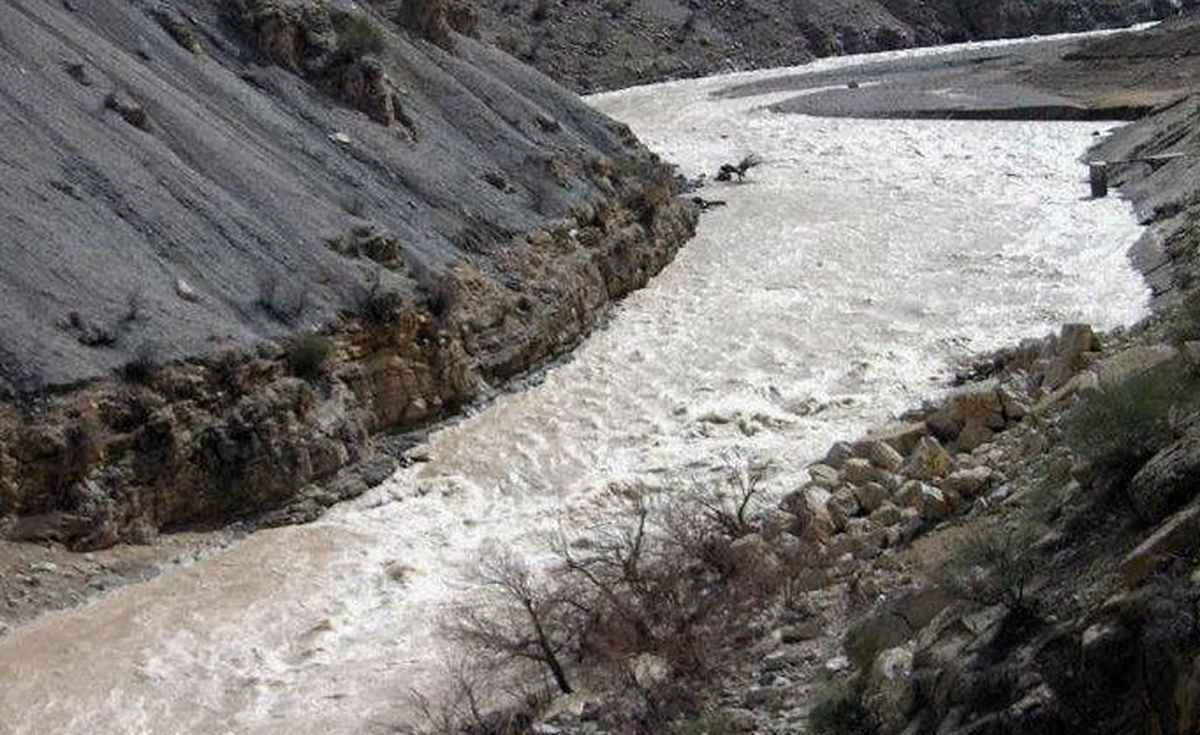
837	286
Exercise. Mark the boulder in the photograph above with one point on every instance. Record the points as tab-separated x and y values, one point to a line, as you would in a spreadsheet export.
977	404
811	506
858	471
1073	342
1178	537
900	435
969	483
870	496
928	461
889	694
973	436
803	631
884	456
825	476
842	507
838	454
740	719
934	505
1016	404
887	514
926	499
1170	479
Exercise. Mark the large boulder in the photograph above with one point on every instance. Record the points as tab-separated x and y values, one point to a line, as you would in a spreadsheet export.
976	405
883	455
900	435
929	461
1177	538
1170	479
968	483
811	505
1075	341
871	496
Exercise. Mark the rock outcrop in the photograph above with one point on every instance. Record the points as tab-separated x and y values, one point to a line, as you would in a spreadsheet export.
233	255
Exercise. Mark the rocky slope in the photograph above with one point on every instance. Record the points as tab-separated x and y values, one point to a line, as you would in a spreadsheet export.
243	237
616	43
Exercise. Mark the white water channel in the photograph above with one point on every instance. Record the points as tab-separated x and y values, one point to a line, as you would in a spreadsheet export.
849	273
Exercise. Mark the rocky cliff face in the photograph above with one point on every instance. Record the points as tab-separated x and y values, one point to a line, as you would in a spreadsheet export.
632	42
243	237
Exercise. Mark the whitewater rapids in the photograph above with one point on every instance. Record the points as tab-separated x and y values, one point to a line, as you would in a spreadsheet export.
838	285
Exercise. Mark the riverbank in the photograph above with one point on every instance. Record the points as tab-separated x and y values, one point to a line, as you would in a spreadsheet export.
1018	557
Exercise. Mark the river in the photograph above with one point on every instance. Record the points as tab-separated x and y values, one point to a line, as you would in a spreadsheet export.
838	285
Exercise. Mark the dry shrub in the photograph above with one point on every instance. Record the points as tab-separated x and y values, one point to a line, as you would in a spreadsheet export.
676	577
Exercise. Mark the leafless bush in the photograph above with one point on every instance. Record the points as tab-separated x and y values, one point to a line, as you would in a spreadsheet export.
518	618
676	576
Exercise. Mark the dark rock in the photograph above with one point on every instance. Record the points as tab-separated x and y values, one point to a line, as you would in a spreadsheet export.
1170	479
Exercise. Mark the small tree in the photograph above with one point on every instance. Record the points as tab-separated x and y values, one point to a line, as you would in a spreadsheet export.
991	568
516	617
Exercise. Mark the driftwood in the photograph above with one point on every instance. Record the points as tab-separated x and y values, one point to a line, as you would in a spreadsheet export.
728	170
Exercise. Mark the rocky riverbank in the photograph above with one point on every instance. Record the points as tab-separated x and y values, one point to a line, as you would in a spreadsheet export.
1018	557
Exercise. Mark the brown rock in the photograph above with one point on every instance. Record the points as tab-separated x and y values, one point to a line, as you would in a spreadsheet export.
871	496
928	460
901	435
1073	342
1178	537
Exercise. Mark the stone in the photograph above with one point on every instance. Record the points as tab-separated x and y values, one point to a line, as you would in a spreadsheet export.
1178	537
1170	479
968	483
934	506
870	496
842	507
858	471
650	670
928	500
929	461
889	694
1074	340
800	632
887	514
741	720
978	403
825	476
185	291
972	436
1016	405
838	454
909	495
811	506
752	552
884	456
900	435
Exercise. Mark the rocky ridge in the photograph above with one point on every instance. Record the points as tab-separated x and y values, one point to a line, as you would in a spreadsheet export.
634	43
334	221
